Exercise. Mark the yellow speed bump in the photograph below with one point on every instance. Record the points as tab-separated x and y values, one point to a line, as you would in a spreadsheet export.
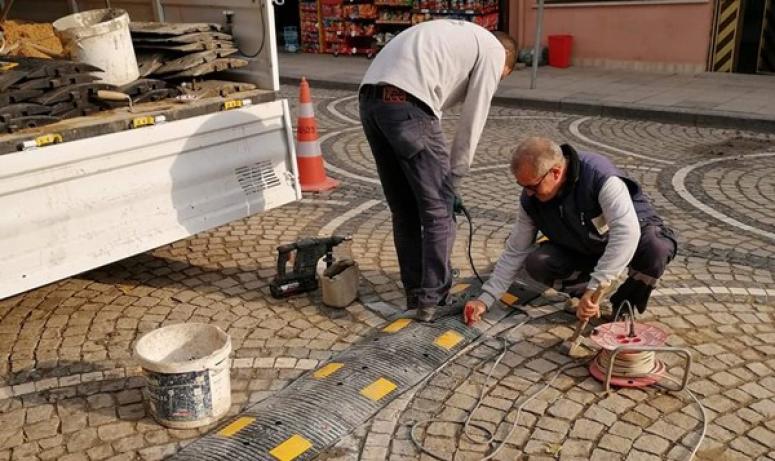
327	370
236	426
509	299
448	339
397	325
460	287
378	389
291	449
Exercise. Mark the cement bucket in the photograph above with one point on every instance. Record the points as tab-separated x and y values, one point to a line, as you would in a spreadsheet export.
187	368
100	38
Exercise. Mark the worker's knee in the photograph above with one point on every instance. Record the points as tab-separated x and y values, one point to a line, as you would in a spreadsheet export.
657	248
545	266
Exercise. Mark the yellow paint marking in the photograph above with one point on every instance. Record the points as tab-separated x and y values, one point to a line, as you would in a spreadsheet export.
458	288
236	426
378	389
397	325
46	139
448	340
233	104
291	449
143	121
509	299
327	370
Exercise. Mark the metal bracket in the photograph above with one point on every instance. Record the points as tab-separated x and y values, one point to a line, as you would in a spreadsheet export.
627	348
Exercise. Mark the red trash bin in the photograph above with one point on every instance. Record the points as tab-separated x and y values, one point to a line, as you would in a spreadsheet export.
560	50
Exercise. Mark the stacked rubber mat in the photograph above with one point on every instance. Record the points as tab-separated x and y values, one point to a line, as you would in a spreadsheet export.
36	92
173	51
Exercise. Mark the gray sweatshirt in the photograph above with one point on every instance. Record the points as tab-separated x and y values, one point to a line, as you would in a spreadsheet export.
442	63
623	238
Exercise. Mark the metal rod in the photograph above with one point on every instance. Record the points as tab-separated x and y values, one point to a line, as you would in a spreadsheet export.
537	46
73	5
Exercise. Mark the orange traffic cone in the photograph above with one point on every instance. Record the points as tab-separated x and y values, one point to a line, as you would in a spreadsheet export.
312	174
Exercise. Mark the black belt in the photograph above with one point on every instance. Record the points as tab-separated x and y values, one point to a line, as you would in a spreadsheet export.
390	94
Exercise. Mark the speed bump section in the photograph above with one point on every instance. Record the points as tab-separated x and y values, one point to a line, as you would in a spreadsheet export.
328	370
378	389
291	449
448	340
236	426
315	411
397	325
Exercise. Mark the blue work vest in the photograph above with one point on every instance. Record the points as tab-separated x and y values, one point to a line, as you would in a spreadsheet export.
574	219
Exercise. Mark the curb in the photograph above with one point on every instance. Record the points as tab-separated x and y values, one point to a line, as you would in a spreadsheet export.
700	118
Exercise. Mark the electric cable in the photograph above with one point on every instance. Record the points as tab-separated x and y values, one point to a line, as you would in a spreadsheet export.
470	242
486	387
263	38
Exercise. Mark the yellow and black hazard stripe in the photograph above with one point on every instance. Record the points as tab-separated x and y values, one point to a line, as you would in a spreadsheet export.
726	25
766	62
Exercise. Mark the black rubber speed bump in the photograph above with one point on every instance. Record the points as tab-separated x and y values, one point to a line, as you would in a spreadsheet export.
324	405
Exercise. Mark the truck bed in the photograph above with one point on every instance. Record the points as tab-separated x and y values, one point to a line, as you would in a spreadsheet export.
121	119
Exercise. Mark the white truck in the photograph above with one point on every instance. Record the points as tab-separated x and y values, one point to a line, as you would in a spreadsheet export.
88	191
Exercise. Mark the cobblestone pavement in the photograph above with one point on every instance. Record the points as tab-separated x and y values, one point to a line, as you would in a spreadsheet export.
70	390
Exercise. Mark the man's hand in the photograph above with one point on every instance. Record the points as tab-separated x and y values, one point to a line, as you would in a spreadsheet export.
473	311
587	308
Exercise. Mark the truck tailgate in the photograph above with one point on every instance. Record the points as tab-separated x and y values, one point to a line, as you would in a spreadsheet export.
71	207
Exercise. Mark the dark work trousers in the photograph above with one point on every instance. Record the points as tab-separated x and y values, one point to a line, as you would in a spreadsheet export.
413	163
569	271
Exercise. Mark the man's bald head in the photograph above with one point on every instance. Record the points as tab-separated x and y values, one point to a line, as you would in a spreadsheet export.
537	154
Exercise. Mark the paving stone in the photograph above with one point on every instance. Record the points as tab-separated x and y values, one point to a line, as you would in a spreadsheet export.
39	413
42	430
82	440
615	443
100	452
616	404
553	424
158	452
748	447
565	409
604	455
763	436
601	415
115	431
586	429
732	423
652	444
628	431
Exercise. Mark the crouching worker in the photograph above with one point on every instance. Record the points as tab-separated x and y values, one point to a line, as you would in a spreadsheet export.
598	223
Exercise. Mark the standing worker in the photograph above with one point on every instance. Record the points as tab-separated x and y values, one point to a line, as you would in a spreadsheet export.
423	71
598	222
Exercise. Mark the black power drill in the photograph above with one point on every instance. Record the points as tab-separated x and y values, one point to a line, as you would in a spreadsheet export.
308	252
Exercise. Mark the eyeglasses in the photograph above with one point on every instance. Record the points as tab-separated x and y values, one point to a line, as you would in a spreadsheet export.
534	187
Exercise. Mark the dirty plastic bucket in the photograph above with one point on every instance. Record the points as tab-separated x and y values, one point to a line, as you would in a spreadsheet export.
100	38
187	369
560	47
339	283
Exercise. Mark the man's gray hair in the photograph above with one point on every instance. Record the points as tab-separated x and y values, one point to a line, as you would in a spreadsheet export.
539	154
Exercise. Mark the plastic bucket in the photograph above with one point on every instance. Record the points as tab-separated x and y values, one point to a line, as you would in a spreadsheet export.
339	283
100	38
187	369
560	47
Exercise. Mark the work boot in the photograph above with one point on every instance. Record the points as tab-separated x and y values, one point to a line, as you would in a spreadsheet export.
446	308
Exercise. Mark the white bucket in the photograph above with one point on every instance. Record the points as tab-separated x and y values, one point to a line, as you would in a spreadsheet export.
187	368
100	38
